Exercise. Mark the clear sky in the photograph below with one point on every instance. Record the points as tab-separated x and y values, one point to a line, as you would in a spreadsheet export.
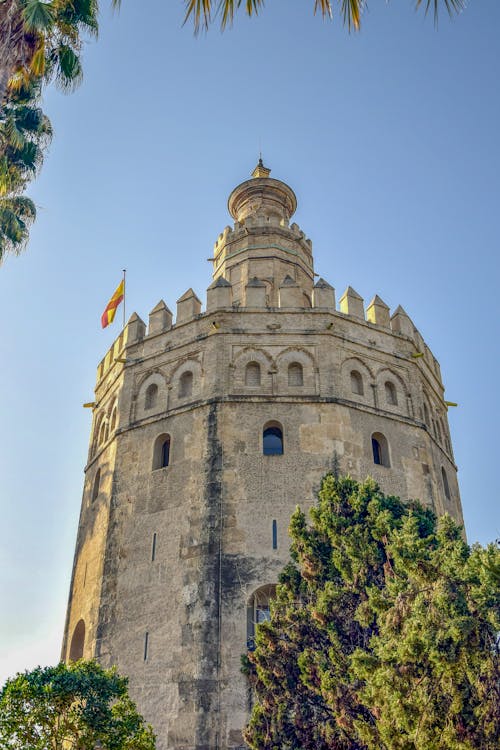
390	139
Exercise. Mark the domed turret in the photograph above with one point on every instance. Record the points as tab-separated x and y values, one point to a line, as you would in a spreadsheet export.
262	196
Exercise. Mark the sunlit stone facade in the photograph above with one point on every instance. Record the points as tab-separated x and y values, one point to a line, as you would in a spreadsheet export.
208	432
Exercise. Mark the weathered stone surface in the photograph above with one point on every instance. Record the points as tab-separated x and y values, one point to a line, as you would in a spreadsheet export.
178	552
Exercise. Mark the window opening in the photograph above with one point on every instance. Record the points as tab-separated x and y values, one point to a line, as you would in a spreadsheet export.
275	535
146	645
252	374
446	486
380	449
153	548
391	395
186	384
272	440
357	383
151	396
295	374
95	488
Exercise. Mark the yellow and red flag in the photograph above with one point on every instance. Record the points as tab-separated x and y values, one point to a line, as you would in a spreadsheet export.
109	313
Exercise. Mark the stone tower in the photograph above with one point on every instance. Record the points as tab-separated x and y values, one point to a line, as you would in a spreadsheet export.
208	432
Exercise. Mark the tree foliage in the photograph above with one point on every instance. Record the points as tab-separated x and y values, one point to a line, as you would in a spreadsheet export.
383	634
203	12
79	706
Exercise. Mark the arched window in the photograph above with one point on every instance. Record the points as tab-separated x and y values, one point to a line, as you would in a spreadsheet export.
380	449
391	395
151	396
77	642
252	374
102	432
112	425
259	611
186	384
426	415
446	486
161	452
96	485
272	439
295	374
357	383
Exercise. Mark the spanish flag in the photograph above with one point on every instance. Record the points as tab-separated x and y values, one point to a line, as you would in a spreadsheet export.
109	313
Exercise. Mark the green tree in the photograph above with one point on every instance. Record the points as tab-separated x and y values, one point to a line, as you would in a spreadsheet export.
79	706
383	634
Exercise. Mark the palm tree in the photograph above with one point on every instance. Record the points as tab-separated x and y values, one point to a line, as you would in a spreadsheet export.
25	132
202	12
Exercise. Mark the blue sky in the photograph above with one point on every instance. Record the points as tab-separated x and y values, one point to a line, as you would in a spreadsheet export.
389	139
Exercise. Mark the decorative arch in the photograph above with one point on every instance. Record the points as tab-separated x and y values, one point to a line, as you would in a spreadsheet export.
151	395
392	390
251	355
363	372
77	642
289	363
185	381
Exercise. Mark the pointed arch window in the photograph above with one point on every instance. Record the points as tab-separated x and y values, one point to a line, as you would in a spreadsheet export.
272	439
252	374
186	384
380	449
357	383
295	374
151	396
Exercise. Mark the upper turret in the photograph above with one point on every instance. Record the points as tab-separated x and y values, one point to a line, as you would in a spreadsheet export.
262	245
262	196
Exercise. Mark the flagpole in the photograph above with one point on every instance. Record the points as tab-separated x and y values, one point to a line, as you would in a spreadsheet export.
124	272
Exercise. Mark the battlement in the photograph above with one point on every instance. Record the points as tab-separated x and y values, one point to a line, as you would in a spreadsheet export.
220	298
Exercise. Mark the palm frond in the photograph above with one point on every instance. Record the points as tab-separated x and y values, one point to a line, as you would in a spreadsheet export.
16	216
452	6
38	16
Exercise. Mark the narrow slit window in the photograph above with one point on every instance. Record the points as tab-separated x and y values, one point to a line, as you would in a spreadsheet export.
146	645
97	485
153	548
275	535
446	486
